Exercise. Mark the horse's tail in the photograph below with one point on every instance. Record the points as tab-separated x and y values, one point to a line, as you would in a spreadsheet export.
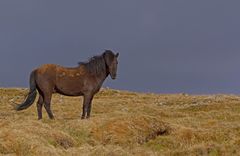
31	95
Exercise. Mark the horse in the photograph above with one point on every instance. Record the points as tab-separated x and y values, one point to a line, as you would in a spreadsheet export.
84	80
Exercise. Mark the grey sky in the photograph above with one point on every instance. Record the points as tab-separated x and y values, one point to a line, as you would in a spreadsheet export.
165	46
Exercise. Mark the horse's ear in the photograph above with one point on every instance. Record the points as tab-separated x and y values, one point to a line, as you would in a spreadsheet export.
117	55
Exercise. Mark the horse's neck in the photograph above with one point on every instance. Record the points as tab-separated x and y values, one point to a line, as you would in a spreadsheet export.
101	77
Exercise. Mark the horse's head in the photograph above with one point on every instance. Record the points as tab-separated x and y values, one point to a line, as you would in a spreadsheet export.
111	62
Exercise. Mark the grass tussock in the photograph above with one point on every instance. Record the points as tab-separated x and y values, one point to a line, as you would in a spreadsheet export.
133	129
123	123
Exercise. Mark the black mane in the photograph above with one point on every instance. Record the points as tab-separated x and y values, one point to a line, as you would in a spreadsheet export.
95	64
98	64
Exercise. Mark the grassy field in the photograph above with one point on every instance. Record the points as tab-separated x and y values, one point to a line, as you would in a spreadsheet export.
123	123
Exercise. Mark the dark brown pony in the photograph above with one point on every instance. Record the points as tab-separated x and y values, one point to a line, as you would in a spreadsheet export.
84	80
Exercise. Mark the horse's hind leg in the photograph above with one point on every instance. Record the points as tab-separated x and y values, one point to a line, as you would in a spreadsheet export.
47	105
39	106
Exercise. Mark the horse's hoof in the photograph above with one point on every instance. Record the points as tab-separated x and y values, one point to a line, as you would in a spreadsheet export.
82	118
52	118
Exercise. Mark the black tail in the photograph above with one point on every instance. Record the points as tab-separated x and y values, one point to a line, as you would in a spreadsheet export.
31	95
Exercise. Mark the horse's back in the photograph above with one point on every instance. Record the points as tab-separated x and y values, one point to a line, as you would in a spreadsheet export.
46	73
47	68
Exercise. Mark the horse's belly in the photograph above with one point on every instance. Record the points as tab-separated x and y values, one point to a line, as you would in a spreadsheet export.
68	92
71	88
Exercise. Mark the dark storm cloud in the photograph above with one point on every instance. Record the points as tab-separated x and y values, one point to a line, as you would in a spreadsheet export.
165	46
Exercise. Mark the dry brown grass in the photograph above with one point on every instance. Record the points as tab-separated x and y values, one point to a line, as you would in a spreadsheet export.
123	123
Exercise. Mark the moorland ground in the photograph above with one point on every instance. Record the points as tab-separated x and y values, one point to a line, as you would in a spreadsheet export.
123	123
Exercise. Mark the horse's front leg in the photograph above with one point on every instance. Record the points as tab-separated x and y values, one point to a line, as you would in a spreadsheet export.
89	108
86	106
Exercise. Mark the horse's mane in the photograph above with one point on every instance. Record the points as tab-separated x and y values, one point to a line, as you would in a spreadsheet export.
95	64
